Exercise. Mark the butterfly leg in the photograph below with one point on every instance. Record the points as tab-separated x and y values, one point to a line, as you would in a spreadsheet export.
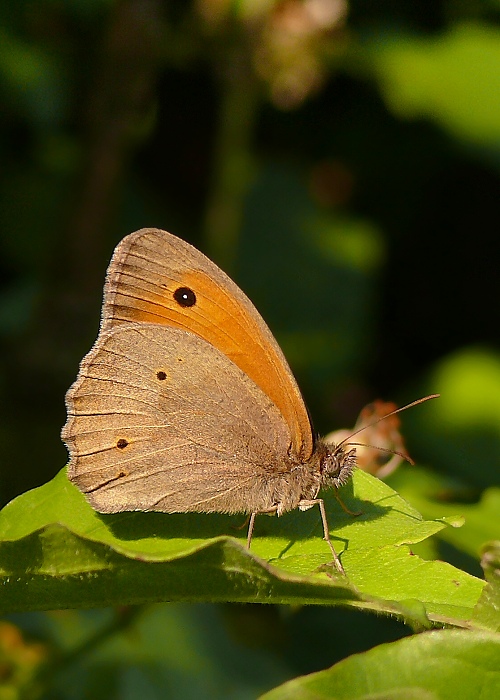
343	505
251	523
304	505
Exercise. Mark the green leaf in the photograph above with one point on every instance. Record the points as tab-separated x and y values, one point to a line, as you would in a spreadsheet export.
56	552
440	664
433	497
462	429
452	78
487	610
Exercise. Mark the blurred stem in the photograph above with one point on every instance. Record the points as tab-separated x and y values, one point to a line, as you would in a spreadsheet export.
115	121
124	619
234	165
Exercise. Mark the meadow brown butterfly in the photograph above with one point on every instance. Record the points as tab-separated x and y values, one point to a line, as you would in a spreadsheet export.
186	402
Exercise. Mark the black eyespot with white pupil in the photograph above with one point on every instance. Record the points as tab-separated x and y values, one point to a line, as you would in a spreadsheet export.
185	296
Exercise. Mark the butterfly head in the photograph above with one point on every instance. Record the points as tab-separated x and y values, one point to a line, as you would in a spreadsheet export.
337	465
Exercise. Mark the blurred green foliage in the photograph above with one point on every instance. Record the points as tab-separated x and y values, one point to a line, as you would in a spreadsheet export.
341	161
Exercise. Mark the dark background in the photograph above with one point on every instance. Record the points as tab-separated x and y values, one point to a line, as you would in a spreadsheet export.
339	160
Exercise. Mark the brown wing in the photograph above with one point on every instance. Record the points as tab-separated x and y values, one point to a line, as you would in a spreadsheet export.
147	269
158	419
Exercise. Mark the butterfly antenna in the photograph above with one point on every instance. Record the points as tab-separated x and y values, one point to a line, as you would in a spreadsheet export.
387	415
406	457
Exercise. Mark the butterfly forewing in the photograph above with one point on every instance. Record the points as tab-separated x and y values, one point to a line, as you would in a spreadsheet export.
147	271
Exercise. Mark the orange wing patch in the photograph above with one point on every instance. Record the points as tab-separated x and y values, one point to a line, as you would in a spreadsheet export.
143	277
